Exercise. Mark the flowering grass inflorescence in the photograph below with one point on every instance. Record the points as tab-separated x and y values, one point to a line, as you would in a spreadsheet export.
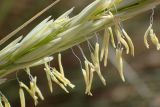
54	36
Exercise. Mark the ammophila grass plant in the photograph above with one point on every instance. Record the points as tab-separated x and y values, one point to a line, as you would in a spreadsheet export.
55	36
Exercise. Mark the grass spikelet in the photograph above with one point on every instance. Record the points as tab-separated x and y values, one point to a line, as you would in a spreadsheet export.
42	61
5	53
32	38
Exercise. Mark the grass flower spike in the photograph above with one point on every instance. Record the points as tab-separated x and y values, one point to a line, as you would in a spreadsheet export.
52	37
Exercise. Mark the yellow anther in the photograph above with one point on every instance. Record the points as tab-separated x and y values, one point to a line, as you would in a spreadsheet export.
120	63
154	39
6	102
33	90
130	43
60	64
146	35
125	45
104	50
112	37
48	72
22	97
95	60
57	82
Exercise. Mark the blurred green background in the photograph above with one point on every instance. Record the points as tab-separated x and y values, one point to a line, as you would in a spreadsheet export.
142	72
